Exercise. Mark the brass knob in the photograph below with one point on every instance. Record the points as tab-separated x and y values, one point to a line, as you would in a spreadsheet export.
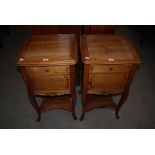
45	59
111	59
21	59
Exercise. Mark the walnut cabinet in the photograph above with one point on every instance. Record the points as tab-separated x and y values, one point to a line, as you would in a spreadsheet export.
109	65
47	64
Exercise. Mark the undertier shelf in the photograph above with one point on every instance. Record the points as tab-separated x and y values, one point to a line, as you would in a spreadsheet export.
98	101
58	102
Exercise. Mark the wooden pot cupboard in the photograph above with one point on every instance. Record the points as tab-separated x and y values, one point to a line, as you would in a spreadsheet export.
47	64
110	62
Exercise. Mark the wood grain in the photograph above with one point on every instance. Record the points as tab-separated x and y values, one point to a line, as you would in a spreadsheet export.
52	70
45	50
112	62
109	49
97	101
47	63
62	102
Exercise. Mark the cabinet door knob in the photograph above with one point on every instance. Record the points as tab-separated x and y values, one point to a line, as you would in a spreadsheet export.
111	59
87	58
45	59
21	59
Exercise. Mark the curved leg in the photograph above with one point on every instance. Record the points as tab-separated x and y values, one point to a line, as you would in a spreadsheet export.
73	91
73	114
83	114
83	108
121	102
116	113
39	117
35	105
73	106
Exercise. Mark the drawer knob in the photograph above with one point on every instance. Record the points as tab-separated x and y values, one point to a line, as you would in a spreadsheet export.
21	59
110	69
87	58
111	59
47	70
45	59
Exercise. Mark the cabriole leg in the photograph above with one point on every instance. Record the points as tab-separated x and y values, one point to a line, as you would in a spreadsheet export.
121	102
83	108
73	106
35	105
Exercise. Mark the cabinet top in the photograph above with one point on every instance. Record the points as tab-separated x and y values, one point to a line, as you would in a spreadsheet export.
43	50
107	49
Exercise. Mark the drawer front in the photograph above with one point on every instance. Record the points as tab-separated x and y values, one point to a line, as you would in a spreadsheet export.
50	83
110	68
47	70
107	81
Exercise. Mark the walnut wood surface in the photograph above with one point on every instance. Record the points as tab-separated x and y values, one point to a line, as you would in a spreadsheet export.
45	50
52	70
110	68
50	83
47	63
107	49
110	62
106	81
56	29
96	101
73	29
61	29
61	102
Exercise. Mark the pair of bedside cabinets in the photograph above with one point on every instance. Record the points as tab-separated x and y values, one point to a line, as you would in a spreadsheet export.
47	65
